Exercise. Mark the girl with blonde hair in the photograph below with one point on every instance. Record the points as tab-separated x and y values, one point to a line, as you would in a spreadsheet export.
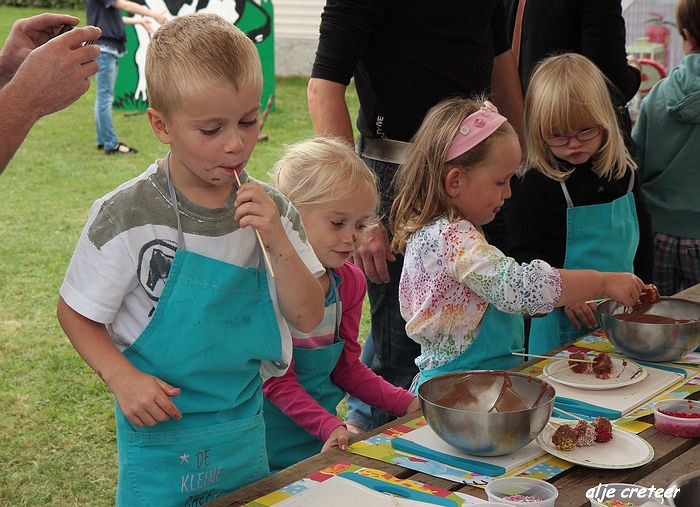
582	207
336	196
463	299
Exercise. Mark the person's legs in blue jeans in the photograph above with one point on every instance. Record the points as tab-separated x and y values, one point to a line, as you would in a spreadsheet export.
395	352
359	414
105	80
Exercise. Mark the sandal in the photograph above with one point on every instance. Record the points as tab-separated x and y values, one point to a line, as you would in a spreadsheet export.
117	149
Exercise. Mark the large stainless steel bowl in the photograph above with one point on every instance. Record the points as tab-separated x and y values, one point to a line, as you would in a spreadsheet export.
653	342
688	490
486	412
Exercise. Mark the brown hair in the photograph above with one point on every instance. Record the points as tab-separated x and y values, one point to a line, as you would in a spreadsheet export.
420	182
688	17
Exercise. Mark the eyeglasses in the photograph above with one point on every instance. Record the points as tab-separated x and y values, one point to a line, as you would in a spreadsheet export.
584	135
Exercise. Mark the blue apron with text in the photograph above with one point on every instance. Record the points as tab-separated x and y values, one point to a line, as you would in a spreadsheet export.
603	237
287	442
500	335
213	325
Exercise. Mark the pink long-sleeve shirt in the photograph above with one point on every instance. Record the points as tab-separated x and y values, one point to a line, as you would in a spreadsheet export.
351	375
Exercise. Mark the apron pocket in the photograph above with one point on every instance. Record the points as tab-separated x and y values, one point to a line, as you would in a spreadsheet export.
192	466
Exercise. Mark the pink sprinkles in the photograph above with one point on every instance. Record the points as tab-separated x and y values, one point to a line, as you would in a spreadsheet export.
523	498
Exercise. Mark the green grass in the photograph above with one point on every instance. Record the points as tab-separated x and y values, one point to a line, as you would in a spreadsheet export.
57	436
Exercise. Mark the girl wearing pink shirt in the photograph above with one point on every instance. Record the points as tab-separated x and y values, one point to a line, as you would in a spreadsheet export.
336	195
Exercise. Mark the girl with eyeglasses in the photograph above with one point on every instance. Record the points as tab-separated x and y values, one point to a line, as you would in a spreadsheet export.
462	298
582	206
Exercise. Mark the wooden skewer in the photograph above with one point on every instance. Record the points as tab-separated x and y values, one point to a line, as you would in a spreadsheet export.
570	414
554	358
600	300
396	502
596	301
555	372
266	254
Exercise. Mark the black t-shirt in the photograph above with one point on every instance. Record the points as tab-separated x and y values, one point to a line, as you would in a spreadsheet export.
537	219
408	55
107	18
592	28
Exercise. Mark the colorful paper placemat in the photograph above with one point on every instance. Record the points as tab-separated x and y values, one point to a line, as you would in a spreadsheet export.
545	467
379	447
325	474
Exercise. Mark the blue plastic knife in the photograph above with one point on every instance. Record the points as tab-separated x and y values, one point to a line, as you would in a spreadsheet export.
479	467
397	490
583	408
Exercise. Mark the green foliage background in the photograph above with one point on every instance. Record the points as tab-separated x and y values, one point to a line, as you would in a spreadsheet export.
49	5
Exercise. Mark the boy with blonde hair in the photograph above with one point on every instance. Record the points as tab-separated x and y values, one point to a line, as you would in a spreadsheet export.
167	297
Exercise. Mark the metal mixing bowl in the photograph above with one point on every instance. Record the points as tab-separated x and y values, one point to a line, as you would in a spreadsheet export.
653	342
688	490
486	412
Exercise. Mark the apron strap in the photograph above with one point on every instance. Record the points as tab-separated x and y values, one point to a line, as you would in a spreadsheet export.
570	203
338	310
173	196
631	184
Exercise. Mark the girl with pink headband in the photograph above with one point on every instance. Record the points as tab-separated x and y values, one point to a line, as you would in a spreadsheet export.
463	299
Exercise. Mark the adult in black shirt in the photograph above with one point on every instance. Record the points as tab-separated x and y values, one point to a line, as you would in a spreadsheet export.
405	57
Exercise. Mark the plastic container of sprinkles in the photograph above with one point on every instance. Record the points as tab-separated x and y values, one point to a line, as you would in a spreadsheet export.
521	491
680	418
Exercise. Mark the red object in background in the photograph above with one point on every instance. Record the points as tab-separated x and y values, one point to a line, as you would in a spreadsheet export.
652	73
659	33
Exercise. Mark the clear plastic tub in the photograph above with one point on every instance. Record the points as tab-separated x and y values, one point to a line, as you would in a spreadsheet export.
527	489
677	425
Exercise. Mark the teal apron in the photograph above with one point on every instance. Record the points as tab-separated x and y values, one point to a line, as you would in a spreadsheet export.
603	237
213	325
500	335
287	442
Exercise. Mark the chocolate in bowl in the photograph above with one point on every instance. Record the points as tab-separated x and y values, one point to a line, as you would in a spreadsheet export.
665	330
486	412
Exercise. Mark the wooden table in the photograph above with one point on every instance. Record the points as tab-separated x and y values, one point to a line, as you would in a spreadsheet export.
673	457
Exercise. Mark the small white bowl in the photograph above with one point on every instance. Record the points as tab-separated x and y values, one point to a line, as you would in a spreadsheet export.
624	493
497	489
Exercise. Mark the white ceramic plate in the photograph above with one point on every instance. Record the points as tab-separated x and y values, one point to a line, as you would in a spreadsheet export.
625	450
622	375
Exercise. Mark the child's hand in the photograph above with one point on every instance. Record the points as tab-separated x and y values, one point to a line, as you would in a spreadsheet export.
581	312
256	209
413	406
145	399
339	438
623	287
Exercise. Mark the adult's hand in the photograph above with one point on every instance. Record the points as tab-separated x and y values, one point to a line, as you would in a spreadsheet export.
26	35
51	77
372	255
57	73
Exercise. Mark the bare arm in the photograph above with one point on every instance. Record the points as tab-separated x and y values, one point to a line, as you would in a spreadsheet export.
142	20
50	78
328	109
299	294
585	284
507	94
144	399
134	8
